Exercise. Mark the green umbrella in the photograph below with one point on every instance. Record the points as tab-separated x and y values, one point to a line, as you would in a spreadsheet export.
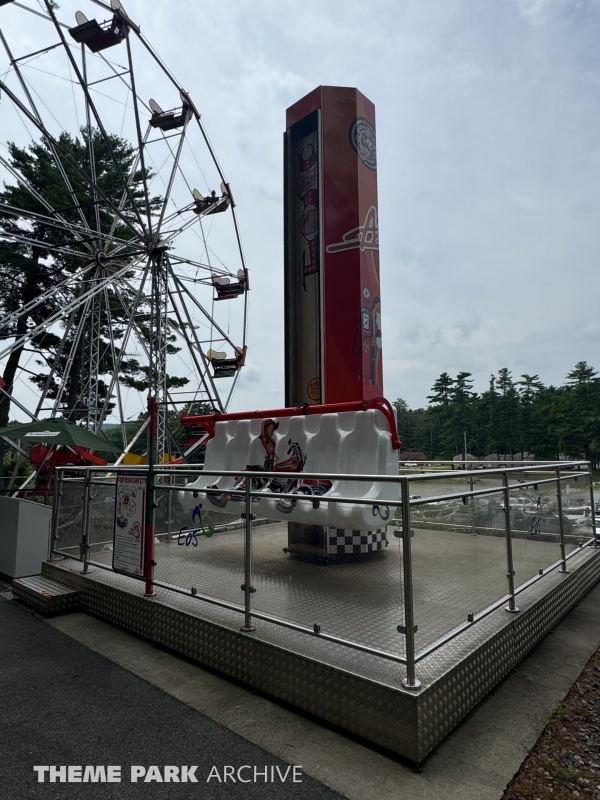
58	431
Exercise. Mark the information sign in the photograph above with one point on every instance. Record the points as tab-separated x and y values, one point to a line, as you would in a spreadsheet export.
130	517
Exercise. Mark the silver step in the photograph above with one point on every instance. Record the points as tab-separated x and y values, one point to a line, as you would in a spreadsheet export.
45	595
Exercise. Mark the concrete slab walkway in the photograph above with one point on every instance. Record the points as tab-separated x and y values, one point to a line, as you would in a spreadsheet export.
62	704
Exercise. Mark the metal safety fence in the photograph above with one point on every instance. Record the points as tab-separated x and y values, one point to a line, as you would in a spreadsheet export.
460	545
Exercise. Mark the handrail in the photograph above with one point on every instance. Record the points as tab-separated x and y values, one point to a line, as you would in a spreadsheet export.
207	422
536	475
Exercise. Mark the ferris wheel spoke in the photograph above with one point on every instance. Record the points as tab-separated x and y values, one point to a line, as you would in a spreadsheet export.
26	310
48	136
130	177
34	108
120	405
141	340
9	395
233	214
120	252
98	286
170	235
34	193
90	141
201	308
201	369
245	314
165	139
232	390
59	224
96	115
238	237
51	248
199	265
184	96
85	399
149	48
38	14
174	214
192	327
83	313
132	310
120	76
141	141
177	156
211	150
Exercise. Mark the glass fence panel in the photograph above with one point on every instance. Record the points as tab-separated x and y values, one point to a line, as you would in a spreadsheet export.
576	504
535	528
70	518
477	514
170	515
199	544
102	516
459	562
326	580
350	583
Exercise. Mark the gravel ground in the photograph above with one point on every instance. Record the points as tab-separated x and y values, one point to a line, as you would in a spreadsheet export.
565	761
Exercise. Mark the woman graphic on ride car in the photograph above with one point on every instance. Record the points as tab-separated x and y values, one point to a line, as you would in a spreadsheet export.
267	429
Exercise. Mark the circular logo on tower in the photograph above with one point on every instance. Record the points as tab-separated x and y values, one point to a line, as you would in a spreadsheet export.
313	390
362	139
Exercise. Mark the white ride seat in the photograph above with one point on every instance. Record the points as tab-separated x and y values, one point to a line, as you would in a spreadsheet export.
351	442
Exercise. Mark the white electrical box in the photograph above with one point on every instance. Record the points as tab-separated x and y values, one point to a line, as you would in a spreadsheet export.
24	536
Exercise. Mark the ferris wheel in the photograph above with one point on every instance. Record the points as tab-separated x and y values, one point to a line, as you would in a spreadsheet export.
118	233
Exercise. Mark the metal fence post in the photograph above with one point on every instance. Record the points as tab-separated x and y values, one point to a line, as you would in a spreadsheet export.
85	532
55	511
472	503
512	604
170	508
149	562
561	527
409	628
247	587
593	506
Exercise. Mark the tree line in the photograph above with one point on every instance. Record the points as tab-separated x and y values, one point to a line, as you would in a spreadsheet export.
510	417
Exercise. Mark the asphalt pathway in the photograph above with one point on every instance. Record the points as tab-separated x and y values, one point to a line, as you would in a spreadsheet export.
63	704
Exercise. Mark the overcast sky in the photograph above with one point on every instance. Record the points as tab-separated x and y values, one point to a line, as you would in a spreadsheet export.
488	135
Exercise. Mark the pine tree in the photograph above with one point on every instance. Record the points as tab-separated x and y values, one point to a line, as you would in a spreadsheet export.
42	253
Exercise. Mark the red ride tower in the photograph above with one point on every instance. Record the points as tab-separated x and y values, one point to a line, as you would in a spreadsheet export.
332	294
332	341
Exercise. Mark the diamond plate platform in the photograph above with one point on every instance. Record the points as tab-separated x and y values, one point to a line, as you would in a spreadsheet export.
357	691
46	595
357	599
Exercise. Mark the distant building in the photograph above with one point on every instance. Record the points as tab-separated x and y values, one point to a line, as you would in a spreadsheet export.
411	455
494	459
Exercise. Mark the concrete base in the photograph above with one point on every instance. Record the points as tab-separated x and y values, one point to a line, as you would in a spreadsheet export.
360	693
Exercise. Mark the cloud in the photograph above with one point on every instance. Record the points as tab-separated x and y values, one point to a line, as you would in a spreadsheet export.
250	375
488	118
467	326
